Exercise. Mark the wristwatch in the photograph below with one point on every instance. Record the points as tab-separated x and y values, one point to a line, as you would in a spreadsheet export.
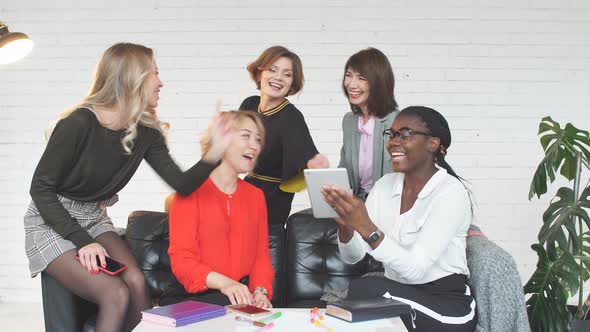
373	237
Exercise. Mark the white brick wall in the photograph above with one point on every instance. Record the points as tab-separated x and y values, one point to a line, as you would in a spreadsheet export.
492	68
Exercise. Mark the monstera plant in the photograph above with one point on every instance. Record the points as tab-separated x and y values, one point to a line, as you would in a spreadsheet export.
563	249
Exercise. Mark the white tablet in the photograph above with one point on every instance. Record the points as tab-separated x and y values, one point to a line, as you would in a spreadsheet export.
315	178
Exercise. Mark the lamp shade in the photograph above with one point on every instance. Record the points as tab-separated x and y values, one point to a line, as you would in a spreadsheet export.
13	45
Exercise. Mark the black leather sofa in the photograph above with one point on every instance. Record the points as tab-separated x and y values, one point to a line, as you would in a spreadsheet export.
304	255
312	263
307	264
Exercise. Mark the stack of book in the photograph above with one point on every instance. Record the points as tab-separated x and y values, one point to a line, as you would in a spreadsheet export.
182	313
369	309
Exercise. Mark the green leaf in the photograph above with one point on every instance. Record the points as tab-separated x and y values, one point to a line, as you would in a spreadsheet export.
558	214
560	218
568	169
579	138
560	147
549	287
539	185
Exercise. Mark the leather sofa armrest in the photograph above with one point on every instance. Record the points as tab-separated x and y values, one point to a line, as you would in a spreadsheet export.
62	310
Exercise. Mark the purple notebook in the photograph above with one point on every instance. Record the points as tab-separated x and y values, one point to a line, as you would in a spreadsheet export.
183	313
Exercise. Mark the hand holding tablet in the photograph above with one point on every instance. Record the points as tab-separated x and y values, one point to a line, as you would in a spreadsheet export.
315	179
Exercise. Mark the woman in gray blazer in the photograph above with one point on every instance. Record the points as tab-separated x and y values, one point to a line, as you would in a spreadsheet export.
368	83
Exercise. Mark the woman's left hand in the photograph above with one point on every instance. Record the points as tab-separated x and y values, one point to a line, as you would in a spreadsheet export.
350	209
318	161
261	300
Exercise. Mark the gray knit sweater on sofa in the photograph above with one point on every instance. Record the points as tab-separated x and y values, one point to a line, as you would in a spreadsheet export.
497	287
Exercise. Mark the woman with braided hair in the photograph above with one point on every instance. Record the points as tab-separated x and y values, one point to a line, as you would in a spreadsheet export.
415	222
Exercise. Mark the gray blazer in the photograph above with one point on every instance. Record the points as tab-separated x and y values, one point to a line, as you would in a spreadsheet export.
349	154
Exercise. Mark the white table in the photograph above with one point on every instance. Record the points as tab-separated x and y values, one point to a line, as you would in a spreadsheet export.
290	320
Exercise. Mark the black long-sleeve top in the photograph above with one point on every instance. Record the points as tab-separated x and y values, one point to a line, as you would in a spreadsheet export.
288	144
86	162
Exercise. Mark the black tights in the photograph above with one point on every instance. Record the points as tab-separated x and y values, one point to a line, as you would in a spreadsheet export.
120	299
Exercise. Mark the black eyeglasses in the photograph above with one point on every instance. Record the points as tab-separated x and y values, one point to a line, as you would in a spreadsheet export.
405	134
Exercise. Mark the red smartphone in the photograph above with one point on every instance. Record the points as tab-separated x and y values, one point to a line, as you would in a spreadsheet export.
249	310
113	267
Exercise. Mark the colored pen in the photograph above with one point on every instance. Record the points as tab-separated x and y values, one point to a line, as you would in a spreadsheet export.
271	317
267	327
255	323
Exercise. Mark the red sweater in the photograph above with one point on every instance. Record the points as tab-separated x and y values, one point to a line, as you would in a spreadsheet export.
228	234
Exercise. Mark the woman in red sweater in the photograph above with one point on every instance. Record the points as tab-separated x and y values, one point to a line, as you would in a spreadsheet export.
219	234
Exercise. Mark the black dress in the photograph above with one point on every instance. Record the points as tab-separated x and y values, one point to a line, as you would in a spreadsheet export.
287	148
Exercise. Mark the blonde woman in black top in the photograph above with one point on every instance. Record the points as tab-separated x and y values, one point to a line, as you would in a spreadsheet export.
92	153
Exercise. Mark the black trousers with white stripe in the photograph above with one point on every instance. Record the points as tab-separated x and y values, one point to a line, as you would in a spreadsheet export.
445	304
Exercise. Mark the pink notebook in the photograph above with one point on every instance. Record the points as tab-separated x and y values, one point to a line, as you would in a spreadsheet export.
182	313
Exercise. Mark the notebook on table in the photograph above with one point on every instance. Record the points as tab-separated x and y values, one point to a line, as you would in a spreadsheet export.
182	313
369	309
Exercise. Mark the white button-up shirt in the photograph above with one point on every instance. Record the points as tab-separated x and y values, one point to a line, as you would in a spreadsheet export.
426	242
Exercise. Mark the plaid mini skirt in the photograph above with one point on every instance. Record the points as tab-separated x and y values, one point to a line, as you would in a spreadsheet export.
43	244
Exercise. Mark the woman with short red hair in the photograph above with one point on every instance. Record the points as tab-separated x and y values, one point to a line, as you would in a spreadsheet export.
289	149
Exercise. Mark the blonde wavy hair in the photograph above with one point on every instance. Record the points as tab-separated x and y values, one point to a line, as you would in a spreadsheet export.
119	81
236	118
